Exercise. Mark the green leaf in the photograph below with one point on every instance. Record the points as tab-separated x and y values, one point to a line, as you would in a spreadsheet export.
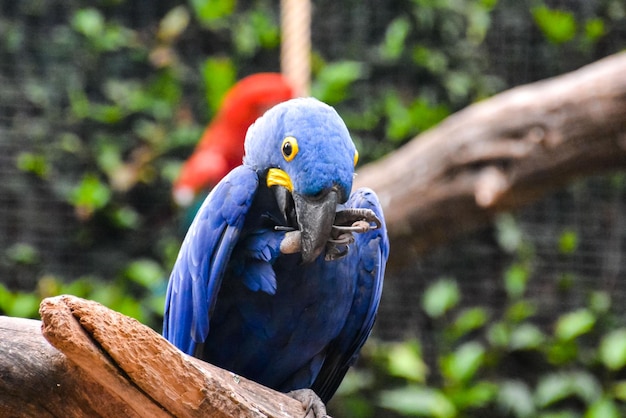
477	395
433	60
515	280
558	26
255	30
594	29
508	233
603	408
600	302
173	24
526	337
145	272
556	387
458	85
425	115
562	352
333	80
395	36
479	21
574	324
22	253
209	12
418	400
219	75
568	242
24	305
469	320
33	163
126	217
18	304
613	349
516	397
520	310
405	360
440	297
461	365
399	123
109	156
90	194
618	390
89	22
499	334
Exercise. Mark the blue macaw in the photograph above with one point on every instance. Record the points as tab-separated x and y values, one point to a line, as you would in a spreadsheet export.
280	274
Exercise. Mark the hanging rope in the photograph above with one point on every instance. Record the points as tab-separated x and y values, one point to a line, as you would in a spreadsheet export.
295	52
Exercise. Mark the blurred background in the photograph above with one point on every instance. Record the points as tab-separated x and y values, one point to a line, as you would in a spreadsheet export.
102	101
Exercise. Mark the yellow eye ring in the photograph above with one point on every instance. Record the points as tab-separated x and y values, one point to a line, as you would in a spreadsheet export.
289	148
356	157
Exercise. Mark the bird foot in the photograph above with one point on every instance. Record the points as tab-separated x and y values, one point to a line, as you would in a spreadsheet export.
348	222
312	404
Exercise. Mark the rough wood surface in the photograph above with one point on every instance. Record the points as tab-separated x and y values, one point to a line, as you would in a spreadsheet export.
36	380
501	154
104	364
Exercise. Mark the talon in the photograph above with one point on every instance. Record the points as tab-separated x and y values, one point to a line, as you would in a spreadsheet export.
342	239
352	216
311	403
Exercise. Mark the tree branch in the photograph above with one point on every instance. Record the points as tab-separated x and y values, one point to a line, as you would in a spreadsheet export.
501	154
109	365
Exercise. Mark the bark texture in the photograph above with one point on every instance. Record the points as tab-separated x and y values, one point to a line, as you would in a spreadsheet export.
501	154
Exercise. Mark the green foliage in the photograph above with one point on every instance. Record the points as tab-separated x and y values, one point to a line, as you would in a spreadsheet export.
506	362
558	26
567	374
122	123
440	297
212	12
126	103
218	75
333	80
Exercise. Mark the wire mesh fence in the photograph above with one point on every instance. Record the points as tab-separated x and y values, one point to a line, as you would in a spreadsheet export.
46	57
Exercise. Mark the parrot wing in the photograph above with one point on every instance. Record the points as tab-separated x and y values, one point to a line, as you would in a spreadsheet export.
372	250
203	258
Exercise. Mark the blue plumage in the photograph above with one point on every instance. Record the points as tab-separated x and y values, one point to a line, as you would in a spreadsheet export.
243	299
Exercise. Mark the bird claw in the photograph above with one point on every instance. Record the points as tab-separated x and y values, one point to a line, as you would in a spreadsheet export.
357	220
312	404
348	222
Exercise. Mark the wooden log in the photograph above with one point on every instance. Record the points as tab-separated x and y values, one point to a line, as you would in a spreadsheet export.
104	364
499	155
36	380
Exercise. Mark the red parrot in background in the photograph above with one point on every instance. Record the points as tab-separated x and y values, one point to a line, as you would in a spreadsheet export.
220	148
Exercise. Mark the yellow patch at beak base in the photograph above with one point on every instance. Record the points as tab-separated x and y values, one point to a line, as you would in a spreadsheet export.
277	177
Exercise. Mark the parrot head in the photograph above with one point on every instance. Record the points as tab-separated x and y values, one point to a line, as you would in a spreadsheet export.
304	151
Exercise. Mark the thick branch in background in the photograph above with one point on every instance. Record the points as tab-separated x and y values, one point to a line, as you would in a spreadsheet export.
104	364
501	154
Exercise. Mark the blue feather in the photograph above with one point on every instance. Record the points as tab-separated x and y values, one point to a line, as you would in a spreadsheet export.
236	301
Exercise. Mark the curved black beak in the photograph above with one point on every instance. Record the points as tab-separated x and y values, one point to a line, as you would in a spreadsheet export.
315	217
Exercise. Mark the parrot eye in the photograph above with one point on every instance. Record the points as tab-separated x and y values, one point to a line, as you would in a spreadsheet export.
289	148
356	157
